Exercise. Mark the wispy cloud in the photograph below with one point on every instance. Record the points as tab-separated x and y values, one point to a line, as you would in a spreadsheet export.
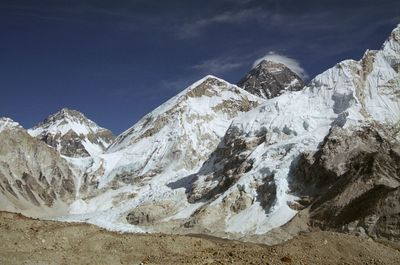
237	17
219	65
291	63
175	85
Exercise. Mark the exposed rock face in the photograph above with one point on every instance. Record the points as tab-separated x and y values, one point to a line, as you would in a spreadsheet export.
225	166
355	180
270	79
72	134
34	179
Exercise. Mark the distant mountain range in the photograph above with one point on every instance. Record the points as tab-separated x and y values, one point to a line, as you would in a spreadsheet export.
261	160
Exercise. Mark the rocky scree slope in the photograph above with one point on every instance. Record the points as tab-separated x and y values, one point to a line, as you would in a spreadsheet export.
27	241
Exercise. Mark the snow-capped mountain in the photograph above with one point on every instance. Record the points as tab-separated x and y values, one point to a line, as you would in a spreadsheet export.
72	134
178	136
194	166
263	145
34	179
217	159
270	79
166	145
244	186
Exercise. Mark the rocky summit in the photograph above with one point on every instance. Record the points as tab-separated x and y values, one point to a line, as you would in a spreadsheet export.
269	79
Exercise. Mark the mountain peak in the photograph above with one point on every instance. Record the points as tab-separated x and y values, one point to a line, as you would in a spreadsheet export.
270	79
68	119
70	114
70	111
270	65
7	123
391	48
181	133
208	80
72	133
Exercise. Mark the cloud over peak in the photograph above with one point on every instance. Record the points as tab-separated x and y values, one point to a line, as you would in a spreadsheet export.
291	63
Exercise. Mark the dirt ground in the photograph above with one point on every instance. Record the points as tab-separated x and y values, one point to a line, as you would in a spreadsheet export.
28	241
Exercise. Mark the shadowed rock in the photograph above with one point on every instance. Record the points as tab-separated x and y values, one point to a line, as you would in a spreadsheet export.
270	79
355	180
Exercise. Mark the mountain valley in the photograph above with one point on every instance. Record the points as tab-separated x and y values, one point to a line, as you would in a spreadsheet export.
262	161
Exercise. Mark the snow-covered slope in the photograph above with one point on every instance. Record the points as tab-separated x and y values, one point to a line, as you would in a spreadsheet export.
178	136
264	143
166	145
210	160
72	134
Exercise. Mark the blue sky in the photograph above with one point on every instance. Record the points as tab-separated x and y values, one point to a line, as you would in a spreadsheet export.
117	60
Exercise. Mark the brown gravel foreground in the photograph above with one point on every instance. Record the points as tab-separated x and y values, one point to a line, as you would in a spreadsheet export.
28	241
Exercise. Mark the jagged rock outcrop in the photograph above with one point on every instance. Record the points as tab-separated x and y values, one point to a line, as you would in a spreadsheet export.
34	179
225	166
270	79
72	134
354	179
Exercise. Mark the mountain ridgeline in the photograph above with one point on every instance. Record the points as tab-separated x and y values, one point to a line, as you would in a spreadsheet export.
261	160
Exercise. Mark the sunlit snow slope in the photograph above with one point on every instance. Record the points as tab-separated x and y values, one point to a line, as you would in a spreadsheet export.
264	143
243	186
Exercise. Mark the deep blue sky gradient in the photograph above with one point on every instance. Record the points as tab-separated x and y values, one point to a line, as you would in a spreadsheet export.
117	60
